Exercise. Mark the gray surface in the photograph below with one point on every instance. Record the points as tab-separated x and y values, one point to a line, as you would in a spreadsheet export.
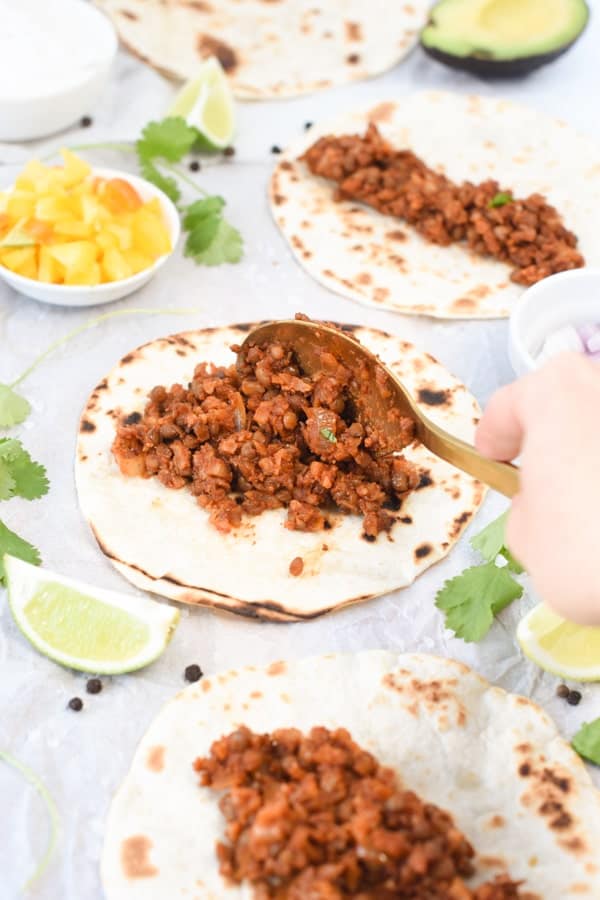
82	758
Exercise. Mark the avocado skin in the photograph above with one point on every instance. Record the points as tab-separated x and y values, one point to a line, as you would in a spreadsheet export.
498	68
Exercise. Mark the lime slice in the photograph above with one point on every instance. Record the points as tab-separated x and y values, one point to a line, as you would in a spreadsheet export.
206	102
84	627
561	647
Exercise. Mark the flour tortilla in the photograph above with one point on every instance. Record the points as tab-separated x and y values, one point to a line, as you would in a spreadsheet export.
161	540
381	261
270	48
492	759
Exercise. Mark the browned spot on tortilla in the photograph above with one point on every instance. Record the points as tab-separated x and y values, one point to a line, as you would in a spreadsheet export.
353	59
135	857
206	685
277	668
590	868
199	5
286	698
383	112
579	888
437	695
297	242
128	14
304	224
286	165
381	294
463	304
397	261
86	425
279	199
432	397
155	761
256	694
575	845
296	566
102	386
353	31
459	522
525	770
423	550
424	481
328	273
496	822
480	291
396	235
492	862
363	278
207	45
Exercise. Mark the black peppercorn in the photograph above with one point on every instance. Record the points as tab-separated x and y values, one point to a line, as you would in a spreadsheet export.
573	698
308	125
275	149
562	691
86	121
193	673
229	151
93	686
194	166
76	704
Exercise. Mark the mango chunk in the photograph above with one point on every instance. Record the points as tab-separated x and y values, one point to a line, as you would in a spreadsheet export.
49	269
150	234
115	266
22	260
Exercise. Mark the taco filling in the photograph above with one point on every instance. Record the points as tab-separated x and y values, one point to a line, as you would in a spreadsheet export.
264	435
527	233
316	816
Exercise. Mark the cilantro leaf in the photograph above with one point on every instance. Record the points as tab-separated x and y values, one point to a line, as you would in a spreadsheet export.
201	210
328	434
169	139
165	183
201	236
500	199
490	541
226	246
28	478
14	545
472	599
13	408
587	741
513	564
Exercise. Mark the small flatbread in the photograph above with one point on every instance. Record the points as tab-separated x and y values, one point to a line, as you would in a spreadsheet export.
381	261
270	48
494	760
161	540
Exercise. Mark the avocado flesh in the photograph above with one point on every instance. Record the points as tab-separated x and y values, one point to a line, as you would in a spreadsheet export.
503	32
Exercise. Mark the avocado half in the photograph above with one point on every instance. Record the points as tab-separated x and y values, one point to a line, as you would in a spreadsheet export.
502	38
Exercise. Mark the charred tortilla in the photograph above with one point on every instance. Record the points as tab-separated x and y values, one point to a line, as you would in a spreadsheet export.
382	261
162	541
270	48
494	760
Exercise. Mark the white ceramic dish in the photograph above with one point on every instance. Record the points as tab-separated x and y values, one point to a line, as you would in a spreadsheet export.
75	295
569	298
55	59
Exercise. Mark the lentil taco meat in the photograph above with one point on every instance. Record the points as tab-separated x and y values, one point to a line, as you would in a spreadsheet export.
527	233
267	435
218	467
373	775
316	816
439	204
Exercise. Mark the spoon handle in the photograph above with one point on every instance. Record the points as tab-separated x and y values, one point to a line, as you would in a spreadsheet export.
501	476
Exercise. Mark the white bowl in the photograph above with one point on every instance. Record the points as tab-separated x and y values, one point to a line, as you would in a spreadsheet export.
70	65
82	295
569	298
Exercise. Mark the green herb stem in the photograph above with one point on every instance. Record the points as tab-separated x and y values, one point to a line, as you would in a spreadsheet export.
176	170
91	324
30	776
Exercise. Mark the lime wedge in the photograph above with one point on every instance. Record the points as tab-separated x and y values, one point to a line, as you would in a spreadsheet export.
561	647
206	102
84	627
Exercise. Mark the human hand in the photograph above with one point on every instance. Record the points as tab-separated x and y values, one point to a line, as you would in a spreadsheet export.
551	419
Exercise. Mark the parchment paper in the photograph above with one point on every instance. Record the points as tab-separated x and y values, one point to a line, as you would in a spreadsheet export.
83	757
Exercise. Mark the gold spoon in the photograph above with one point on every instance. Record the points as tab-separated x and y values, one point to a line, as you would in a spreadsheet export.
382	392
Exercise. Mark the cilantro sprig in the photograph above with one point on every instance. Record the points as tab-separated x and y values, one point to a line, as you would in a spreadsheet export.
500	199
474	598
20	476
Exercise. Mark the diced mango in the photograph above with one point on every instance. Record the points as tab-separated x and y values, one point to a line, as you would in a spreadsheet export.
22	260
74	229
75	254
49	269
21	204
150	234
91	275
137	261
75	169
115	266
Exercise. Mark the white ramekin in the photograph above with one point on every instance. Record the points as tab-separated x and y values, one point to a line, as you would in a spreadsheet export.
83	295
569	298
